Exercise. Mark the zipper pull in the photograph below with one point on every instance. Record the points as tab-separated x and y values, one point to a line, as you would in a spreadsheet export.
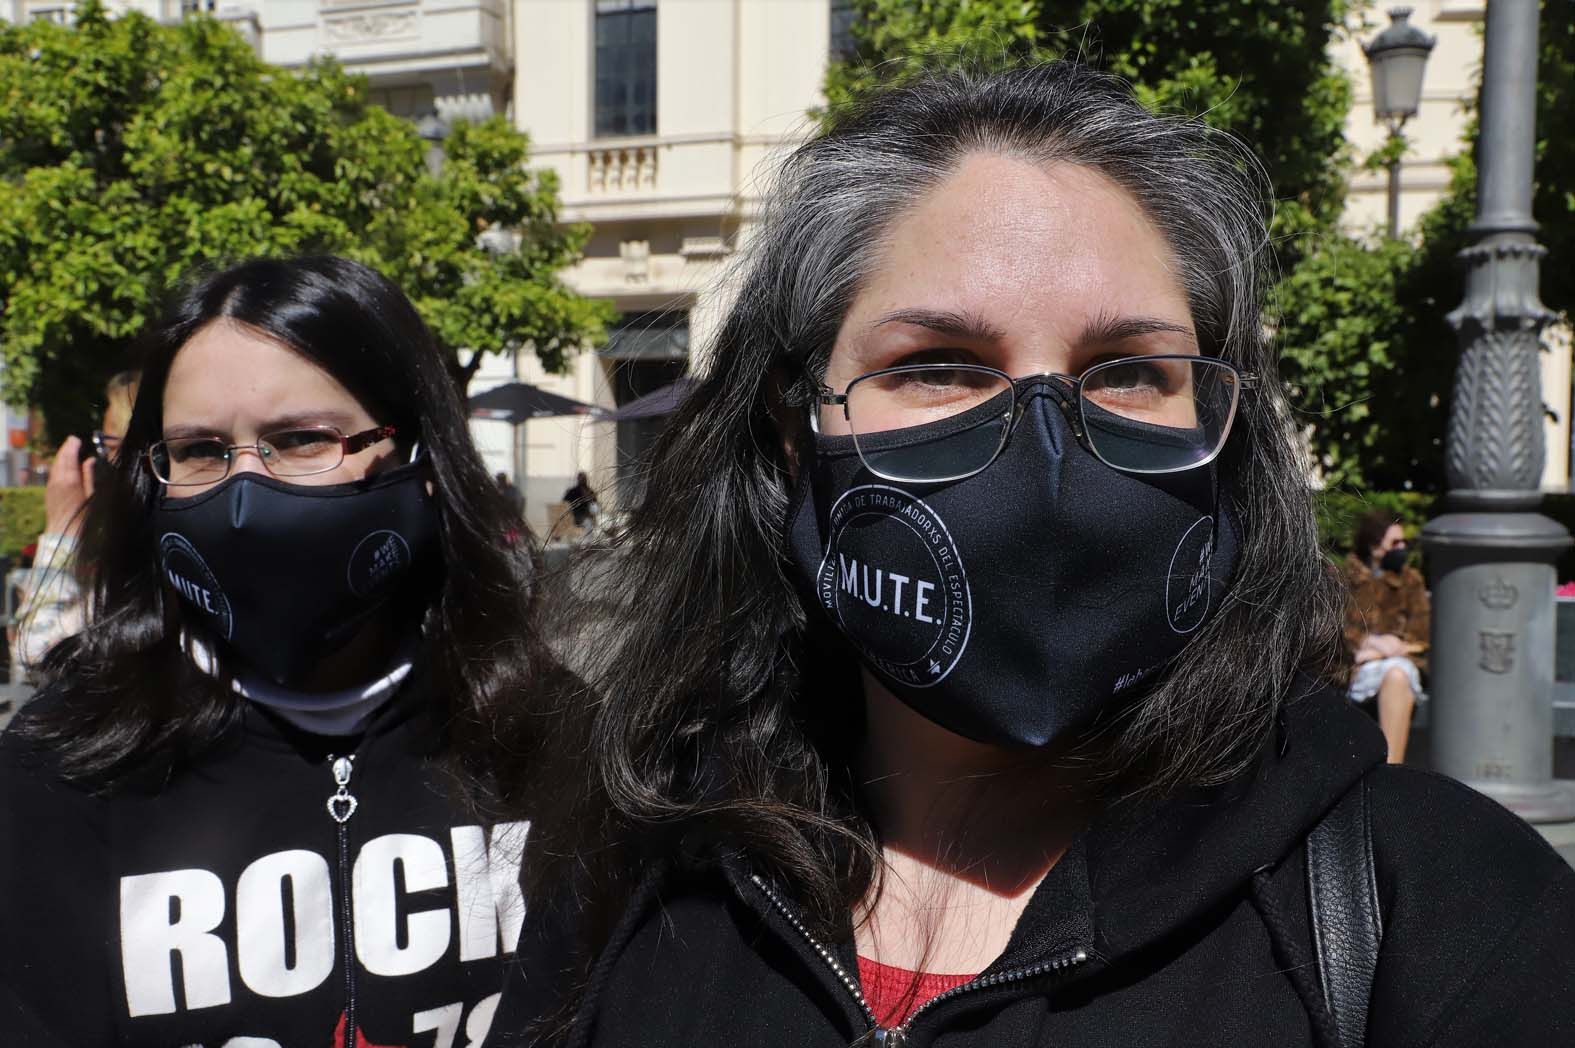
342	804
895	1037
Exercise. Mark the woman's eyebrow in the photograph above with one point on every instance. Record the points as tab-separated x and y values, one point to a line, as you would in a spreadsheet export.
1107	328
306	419
964	325
190	430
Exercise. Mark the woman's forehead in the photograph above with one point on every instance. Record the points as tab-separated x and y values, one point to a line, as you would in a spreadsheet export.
1024	243
230	370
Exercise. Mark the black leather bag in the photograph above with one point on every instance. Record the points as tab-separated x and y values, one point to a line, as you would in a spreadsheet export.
1342	902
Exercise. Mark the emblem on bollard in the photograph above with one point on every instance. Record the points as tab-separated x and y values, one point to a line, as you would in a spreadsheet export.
1498	651
1498	595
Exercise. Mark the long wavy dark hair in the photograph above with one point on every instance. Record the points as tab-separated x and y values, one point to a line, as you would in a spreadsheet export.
130	696
715	709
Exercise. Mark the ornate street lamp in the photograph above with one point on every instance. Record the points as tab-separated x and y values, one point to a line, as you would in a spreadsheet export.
1492	553
1397	57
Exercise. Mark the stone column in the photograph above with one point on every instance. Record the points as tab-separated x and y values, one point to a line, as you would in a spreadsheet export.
1492	554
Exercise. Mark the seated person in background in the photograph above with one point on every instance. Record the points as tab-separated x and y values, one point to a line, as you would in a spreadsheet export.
1386	626
582	501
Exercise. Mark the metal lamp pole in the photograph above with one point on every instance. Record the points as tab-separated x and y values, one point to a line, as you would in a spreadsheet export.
1397	58
1492	554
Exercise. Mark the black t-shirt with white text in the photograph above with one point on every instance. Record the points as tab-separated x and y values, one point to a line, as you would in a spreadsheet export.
231	907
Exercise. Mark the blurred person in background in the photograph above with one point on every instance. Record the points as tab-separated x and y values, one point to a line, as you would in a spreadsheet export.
512	495
1387	619
583	501
52	606
231	814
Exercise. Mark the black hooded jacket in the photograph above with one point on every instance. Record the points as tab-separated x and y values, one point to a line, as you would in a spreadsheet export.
1181	924
228	906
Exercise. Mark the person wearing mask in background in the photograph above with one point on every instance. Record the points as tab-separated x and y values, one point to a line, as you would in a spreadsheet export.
52	605
230	815
955	682
1386	626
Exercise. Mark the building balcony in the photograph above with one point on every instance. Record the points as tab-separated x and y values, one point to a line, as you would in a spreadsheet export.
462	49
645	177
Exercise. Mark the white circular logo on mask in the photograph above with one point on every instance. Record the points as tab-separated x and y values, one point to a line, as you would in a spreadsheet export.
1188	583
893	579
185	570
376	559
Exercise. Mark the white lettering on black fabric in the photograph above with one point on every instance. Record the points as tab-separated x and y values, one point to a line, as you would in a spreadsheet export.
491	905
261	949
869	583
442	1021
892	578
181	914
426	932
480	1022
164	914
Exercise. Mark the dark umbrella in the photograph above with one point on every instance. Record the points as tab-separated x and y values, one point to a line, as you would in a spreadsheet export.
659	402
516	402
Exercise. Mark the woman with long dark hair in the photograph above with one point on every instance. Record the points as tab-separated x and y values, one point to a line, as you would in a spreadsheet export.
957	681
230	816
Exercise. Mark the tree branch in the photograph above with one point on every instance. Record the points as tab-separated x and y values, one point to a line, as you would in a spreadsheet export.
467	371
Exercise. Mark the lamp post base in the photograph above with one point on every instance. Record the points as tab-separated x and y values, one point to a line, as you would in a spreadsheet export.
1492	657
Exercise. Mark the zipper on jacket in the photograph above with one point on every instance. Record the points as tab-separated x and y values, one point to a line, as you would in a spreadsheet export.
897	1036
341	805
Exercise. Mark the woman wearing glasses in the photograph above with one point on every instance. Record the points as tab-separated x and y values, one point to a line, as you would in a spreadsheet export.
227	818
948	685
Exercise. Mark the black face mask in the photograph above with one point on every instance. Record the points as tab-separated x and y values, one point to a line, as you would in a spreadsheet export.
285	574
1394	559
1014	604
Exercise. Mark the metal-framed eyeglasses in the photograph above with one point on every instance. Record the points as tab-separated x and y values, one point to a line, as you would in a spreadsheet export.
934	423
300	451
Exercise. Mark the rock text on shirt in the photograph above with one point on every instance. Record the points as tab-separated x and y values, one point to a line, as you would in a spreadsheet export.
283	933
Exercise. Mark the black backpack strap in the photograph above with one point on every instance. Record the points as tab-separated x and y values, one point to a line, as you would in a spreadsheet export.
1342	901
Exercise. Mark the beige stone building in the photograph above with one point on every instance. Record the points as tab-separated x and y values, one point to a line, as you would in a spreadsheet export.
1434	134
661	120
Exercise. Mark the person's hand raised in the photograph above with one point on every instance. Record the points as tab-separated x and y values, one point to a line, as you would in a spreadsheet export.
69	486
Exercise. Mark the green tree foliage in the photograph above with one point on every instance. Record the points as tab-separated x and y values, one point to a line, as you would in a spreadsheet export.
133	154
1259	70
21	519
894	39
1342	330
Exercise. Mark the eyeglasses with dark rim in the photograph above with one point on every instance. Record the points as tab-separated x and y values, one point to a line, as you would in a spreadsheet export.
935	423
297	452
